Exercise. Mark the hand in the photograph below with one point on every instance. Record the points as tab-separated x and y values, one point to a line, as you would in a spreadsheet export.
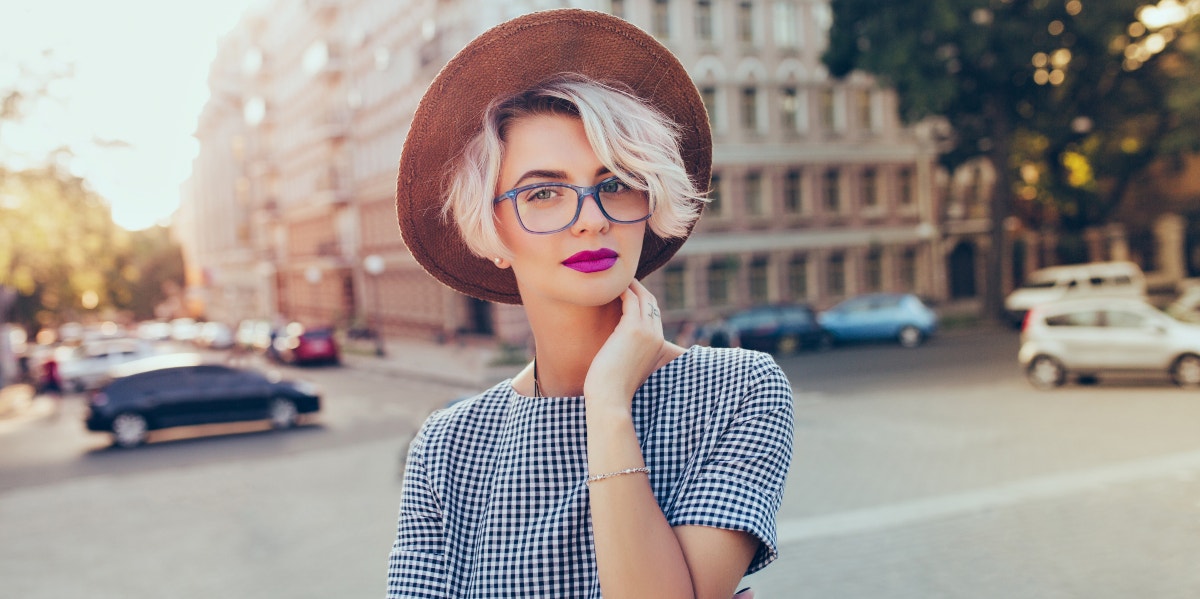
630	354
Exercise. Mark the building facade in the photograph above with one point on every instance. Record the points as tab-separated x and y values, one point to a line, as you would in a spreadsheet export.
819	191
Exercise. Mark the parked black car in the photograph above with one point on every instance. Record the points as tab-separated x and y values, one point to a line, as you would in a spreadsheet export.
780	328
181	390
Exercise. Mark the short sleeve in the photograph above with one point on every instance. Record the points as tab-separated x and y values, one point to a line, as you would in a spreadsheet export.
417	564
739	485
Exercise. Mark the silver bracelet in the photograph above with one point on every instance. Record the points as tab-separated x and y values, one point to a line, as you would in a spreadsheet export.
592	479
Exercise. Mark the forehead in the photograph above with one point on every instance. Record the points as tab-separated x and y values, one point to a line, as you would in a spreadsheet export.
547	142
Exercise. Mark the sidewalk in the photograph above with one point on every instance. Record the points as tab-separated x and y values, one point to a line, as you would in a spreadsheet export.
473	364
18	403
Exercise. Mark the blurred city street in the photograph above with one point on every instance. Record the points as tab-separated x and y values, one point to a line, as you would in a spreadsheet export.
928	472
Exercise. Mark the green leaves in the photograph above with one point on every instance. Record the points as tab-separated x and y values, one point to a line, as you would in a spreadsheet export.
58	243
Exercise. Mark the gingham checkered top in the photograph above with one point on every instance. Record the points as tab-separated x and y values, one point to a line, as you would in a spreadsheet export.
494	502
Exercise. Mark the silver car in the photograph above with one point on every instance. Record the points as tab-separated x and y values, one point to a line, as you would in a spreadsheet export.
1087	337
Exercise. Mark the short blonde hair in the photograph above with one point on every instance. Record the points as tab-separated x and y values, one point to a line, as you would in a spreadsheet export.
632	140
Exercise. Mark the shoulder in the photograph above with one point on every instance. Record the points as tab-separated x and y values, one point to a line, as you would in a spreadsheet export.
732	367
465	413
727	381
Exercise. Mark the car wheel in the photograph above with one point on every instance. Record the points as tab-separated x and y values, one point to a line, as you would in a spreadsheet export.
1045	372
283	413
129	429
910	336
787	344
1186	371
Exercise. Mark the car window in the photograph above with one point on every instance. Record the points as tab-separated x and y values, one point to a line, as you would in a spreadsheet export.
1124	319
1039	284
1084	318
885	302
1122	280
855	305
797	316
1096	281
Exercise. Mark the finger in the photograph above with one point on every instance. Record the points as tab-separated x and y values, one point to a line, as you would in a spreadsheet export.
647	298
631	304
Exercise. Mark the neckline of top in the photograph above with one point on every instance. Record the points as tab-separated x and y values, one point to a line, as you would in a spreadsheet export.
512	391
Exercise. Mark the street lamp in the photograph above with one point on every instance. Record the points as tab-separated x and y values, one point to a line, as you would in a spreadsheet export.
374	265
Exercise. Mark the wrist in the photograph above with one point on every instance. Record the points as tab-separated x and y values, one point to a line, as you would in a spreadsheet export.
602	410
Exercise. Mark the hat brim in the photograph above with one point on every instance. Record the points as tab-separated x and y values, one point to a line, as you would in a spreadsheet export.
510	58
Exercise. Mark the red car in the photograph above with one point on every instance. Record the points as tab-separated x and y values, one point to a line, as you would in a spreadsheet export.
300	345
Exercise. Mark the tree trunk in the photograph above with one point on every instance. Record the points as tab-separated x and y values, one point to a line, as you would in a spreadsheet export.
1001	209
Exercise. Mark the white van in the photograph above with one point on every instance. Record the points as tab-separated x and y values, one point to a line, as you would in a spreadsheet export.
1094	279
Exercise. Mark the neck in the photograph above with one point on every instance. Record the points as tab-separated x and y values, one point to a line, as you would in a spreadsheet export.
566	339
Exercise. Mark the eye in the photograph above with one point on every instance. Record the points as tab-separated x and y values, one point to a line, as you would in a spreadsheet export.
612	186
544	193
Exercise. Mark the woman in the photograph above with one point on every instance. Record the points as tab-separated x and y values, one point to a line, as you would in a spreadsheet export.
616	464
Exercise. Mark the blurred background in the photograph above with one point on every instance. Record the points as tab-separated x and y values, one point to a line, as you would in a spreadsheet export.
901	194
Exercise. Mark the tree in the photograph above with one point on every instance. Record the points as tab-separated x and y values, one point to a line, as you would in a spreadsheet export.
64	256
1067	99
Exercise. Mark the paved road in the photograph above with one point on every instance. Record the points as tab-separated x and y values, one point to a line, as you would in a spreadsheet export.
934	472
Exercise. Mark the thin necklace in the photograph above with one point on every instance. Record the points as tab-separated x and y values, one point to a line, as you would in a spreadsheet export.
537	390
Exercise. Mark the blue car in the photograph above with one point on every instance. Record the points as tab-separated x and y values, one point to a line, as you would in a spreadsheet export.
900	317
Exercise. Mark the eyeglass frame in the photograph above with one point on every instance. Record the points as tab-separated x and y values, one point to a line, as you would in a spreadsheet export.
580	194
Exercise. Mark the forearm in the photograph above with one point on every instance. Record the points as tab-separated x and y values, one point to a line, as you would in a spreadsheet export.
637	552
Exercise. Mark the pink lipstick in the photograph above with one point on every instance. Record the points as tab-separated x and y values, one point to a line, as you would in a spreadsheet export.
589	261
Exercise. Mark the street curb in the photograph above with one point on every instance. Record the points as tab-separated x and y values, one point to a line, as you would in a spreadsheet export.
489	377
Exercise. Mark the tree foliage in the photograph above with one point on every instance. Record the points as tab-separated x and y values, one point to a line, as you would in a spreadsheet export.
1069	99
61	252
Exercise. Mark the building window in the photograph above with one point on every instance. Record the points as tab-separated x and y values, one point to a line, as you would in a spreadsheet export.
874	268
797	274
704	20
675	287
789	106
721	274
708	95
715	207
833	191
870	188
793	191
905	184
750	108
866	116
759	280
617	8
754	194
745	22
827	109
787	25
908	269
835	275
660	19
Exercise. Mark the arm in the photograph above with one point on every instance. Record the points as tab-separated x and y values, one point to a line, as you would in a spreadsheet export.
638	553
417	564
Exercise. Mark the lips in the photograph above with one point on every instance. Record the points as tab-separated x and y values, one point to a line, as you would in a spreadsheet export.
592	260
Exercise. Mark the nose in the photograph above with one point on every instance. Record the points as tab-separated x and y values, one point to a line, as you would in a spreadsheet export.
591	218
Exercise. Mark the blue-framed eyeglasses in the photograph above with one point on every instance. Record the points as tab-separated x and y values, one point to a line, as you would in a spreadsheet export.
544	208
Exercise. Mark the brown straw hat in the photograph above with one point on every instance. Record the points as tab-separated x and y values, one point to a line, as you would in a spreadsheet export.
510	58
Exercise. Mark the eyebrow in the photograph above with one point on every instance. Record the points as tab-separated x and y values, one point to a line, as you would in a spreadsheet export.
548	174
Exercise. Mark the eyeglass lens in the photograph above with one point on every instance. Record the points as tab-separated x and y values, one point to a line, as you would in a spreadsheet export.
552	207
